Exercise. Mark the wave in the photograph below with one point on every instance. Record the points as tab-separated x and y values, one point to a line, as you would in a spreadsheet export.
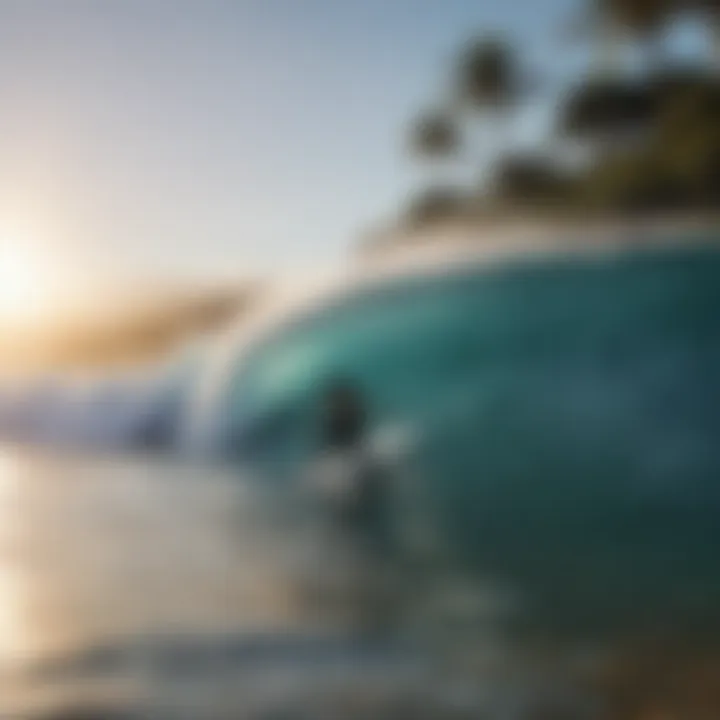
135	410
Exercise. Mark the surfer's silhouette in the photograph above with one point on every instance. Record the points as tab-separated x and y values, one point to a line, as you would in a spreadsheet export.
345	436
344	421
357	512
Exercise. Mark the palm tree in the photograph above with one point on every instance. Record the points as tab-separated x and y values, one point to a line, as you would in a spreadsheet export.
435	139
709	9
488	82
487	76
436	204
639	17
435	136
606	112
612	22
645	19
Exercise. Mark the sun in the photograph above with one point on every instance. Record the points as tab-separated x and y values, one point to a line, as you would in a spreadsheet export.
24	284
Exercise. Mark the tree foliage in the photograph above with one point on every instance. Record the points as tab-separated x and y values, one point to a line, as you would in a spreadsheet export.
530	179
638	17
434	136
487	76
652	141
436	204
603	109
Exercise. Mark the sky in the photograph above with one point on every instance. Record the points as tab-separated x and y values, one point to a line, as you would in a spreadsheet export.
163	139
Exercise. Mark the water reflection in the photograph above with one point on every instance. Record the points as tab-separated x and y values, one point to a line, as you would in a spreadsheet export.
108	549
111	565
181	591
191	590
13	629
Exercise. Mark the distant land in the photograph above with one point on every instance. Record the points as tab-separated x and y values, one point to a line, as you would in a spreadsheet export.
141	332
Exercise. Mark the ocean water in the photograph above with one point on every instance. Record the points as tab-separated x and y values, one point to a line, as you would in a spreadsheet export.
154	591
549	547
143	589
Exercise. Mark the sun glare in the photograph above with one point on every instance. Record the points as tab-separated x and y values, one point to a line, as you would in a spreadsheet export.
24	290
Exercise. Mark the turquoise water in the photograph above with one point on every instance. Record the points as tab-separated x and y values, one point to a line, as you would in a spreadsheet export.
586	468
566	416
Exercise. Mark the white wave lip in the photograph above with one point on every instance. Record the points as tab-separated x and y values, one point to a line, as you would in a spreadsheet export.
134	410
